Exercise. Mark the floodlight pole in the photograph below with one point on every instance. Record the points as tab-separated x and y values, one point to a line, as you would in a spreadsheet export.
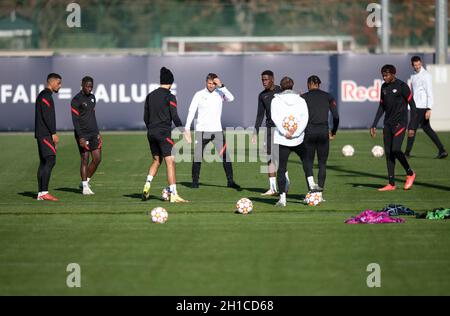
441	31
385	27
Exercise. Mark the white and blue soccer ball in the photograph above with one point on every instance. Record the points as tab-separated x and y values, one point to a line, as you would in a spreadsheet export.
159	215
165	194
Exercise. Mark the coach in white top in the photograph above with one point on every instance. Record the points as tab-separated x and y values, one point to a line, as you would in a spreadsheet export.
289	112
208	127
421	85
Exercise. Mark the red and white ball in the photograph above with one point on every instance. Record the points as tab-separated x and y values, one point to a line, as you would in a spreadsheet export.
290	123
313	198
244	206
159	215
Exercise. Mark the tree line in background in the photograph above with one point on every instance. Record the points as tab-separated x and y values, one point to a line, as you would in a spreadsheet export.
143	23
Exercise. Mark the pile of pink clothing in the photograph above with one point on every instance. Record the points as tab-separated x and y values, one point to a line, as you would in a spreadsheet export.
372	217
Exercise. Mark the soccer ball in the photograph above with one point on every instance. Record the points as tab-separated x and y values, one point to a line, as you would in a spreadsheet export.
377	151
348	150
244	206
159	215
165	194
290	123
313	198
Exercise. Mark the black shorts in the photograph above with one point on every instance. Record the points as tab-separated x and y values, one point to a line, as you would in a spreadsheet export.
46	146
92	143
160	142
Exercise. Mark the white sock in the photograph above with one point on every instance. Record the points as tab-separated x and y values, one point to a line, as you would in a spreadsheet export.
39	194
311	182
283	197
88	179
85	184
173	189
149	178
273	184
44	193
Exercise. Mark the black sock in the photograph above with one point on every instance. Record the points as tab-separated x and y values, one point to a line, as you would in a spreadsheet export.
391	180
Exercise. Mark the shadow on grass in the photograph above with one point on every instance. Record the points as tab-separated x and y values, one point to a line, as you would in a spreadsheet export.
366	185
272	200
368	174
70	190
201	184
299	197
256	190
138	196
29	194
187	184
266	200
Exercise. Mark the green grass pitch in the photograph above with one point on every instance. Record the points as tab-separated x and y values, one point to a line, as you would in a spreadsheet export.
206	249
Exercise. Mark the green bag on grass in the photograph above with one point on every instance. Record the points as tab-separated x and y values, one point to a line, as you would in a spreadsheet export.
440	213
